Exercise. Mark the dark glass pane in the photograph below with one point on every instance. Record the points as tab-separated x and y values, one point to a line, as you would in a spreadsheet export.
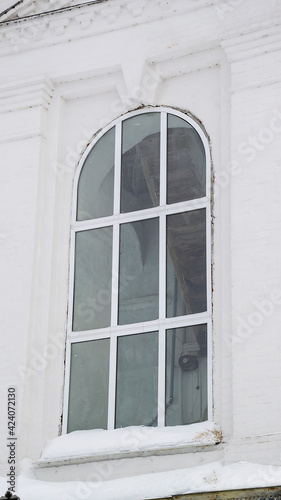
137	380
139	271
186	375
140	162
95	187
88	394
92	279
186	174
186	263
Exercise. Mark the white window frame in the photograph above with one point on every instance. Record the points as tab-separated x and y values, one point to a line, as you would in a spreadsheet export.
115	220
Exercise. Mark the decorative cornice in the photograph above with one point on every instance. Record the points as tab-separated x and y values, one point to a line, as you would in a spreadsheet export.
27	8
17	35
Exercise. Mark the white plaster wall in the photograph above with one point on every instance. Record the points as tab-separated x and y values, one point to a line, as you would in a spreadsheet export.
58	87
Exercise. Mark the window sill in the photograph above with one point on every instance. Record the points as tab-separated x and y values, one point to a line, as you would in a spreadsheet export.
96	445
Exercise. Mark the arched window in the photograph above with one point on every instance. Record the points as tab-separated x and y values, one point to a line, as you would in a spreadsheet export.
138	349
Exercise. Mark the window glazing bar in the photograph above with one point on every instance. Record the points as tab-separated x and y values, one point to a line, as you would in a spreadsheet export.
117	167
163	158
177	322
149	213
161	377
112	382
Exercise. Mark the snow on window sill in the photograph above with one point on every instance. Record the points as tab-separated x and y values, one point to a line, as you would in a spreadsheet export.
96	445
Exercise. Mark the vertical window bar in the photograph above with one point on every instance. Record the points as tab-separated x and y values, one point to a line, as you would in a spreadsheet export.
162	220
115	272
161	377
117	167
112	382
71	281
115	277
162	313
162	270
163	158
116	228
162	267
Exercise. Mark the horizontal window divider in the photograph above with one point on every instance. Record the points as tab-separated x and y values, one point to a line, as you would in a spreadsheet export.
148	326
150	213
185	206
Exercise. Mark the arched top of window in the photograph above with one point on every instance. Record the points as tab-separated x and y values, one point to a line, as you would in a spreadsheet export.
145	139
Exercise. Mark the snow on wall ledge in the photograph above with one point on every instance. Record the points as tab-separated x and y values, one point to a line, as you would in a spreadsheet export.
91	445
206	478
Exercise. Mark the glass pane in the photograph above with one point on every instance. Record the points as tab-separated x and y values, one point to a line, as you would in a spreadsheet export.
140	162
186	165
186	375
88	395
139	271
137	380
186	263
92	279
95	187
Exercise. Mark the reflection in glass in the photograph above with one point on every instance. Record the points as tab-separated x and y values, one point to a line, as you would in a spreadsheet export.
186	263
88	394
140	162
137	380
186	375
186	170
139	271
92	279
95	188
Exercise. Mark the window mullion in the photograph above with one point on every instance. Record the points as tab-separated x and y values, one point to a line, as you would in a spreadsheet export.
115	278
162	218
71	281
162	271
163	158
112	382
115	275
162	314
117	168
161	377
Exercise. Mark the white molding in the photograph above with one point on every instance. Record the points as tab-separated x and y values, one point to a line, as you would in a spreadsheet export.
187	60
22	137
256	41
26	94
